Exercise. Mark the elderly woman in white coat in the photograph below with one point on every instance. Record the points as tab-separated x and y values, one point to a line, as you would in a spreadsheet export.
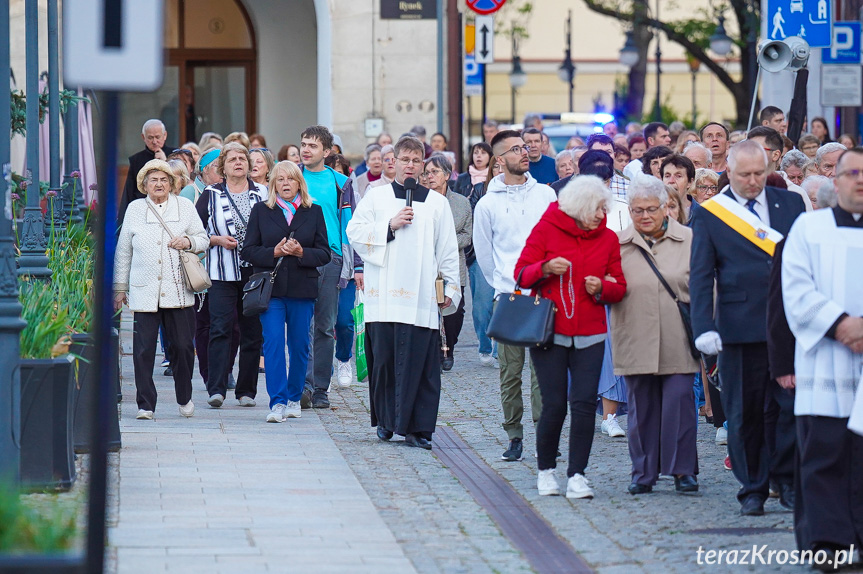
148	277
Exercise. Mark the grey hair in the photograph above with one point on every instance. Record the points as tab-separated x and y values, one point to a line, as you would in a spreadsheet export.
369	149
152	123
796	158
562	155
388	149
693	145
582	196
743	147
825	195
828	148
440	161
705	173
645	186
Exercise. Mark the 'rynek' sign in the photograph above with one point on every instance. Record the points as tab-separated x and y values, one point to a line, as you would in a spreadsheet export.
408	9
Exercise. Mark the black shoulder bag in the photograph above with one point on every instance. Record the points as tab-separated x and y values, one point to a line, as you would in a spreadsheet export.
258	291
521	320
682	307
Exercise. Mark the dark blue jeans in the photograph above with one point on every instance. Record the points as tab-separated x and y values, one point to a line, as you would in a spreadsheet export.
345	322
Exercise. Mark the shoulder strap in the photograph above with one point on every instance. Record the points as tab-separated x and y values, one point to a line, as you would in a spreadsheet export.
237	209
159	217
659	275
276	269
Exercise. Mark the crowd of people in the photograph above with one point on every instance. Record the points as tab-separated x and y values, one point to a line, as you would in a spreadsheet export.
687	275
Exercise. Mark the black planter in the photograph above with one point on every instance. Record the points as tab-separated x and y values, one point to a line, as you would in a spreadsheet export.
82	346
47	457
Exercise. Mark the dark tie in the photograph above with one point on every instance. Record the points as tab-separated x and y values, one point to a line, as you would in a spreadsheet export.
750	205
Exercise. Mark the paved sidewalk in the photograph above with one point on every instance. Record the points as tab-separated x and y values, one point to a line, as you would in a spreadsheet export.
226	492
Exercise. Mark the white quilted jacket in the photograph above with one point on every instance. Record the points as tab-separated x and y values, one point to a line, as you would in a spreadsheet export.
144	265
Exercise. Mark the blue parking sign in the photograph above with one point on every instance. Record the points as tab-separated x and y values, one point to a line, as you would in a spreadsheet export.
845	48
472	77
810	19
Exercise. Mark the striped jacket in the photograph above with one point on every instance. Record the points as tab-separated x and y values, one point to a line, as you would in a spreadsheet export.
215	211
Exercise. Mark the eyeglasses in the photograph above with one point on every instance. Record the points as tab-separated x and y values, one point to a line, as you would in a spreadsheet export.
518	149
639	211
854	173
409	161
433	172
389	160
712	188
259	149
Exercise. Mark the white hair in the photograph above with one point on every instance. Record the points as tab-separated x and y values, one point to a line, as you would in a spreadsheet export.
745	147
693	145
582	196
828	148
561	156
645	186
794	157
150	124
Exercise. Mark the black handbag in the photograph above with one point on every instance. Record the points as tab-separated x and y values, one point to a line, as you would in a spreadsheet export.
258	291
682	307
522	320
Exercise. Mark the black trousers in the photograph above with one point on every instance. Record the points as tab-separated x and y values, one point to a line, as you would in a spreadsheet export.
754	404
716	405
829	484
202	337
552	365
452	325
226	308
179	333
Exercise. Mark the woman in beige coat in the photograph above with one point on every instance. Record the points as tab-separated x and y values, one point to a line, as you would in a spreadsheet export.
649	342
148	277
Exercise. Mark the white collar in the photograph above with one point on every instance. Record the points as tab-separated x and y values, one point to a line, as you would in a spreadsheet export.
760	199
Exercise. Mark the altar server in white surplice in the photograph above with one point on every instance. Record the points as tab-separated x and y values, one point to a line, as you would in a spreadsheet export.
822	288
405	250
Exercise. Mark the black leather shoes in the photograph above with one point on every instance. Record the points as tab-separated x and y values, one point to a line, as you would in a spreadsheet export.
384	434
447	362
786	496
636	488
685	484
752	505
417	441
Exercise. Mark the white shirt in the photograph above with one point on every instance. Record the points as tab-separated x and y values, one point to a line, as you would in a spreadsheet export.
760	206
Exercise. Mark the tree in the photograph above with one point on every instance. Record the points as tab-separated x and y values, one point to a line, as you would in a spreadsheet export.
693	34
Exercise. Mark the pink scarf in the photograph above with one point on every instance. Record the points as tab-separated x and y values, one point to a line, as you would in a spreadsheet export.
289	209
477	175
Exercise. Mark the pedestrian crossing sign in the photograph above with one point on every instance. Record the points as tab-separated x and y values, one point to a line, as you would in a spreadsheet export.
812	20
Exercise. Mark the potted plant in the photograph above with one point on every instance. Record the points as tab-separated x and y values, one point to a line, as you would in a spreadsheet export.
28	534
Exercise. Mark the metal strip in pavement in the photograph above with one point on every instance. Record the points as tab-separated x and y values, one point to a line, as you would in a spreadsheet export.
545	551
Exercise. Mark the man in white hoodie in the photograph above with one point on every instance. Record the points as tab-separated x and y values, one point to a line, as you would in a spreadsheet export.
504	217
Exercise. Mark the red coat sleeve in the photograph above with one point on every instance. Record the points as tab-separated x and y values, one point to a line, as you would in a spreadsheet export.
532	257
613	292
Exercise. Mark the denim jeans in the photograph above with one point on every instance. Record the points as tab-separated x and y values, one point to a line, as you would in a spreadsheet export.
322	330
285	383
482	299
345	322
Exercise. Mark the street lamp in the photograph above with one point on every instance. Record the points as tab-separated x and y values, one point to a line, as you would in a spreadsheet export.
629	52
720	43
517	77
566	72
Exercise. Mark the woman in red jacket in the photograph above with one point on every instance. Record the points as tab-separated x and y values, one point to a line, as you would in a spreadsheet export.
575	260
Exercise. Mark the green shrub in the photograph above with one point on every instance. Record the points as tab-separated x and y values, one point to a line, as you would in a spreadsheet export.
26	530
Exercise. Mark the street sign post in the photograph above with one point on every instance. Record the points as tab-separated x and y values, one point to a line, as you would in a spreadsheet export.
845	48
810	19
484	46
485	7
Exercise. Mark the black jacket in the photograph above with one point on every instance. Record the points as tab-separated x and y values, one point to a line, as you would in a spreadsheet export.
130	190
297	276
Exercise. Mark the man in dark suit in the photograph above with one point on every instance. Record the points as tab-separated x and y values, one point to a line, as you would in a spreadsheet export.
154	135
739	260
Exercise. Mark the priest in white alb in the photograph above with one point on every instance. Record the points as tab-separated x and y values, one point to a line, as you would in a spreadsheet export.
406	249
822	289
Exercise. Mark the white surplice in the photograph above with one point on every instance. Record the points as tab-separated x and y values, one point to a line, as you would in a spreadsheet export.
400	275
822	277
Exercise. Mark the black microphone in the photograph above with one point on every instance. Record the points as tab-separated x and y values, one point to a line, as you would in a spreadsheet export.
410	186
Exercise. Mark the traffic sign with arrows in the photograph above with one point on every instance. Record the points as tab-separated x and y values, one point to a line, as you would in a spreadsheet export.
484	48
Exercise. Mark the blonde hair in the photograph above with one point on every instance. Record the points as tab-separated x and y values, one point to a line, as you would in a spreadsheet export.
241	137
702	174
181	173
291	171
228	148
267	155
582	196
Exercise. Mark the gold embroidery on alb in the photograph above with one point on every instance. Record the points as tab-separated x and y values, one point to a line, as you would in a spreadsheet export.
400	292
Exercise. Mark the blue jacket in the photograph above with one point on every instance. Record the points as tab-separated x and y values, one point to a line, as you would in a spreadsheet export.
740	269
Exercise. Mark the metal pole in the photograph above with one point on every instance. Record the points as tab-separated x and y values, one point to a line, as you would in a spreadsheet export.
657	112
33	260
440	73
70	157
694	111
483	114
11	323
570	68
55	202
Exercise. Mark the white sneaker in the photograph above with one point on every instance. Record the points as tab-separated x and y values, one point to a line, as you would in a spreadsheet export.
577	487
345	375
144	415
293	410
546	483
166	363
486	360
188	409
246	402
721	436
216	400
611	427
277	414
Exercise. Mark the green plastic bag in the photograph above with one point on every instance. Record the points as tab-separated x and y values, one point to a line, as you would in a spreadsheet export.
360	331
